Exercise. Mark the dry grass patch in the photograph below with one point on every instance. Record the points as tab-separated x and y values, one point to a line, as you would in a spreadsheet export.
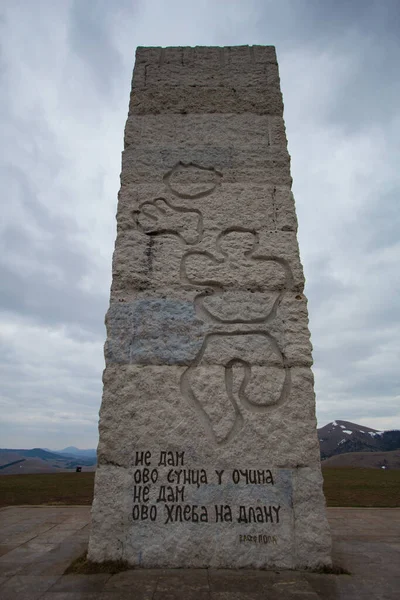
83	566
47	488
333	570
351	486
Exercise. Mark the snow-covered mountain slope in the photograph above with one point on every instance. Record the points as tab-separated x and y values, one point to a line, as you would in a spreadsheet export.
340	437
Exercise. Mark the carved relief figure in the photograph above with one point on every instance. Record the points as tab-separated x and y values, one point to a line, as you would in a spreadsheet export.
239	367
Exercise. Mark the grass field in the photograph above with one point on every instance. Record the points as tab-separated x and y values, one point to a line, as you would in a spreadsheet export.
46	488
348	486
343	487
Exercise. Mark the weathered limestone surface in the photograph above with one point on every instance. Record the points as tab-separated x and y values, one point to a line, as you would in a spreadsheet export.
208	452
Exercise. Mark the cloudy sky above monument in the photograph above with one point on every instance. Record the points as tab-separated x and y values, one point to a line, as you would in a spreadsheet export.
65	72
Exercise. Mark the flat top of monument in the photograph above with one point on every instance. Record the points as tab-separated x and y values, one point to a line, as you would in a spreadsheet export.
222	54
208	47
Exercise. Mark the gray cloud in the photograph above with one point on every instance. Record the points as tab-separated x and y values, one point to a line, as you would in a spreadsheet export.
90	38
41	268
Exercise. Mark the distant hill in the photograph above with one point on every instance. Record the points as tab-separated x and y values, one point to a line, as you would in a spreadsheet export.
73	451
343	437
369	460
38	460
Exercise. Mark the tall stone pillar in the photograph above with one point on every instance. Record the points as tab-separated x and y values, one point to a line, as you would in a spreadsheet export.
208	452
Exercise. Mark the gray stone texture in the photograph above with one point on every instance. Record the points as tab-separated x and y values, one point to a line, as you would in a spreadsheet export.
208	453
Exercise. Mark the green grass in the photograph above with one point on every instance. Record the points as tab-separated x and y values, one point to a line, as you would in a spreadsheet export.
350	486
344	486
46	488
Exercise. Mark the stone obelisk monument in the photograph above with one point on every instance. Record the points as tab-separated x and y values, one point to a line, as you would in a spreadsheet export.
208	453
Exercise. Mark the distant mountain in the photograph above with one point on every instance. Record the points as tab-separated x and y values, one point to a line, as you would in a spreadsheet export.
38	460
35	452
74	451
341	437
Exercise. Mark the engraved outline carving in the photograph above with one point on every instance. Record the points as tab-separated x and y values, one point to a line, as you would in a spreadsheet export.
191	165
158	211
216	289
155	210
238	424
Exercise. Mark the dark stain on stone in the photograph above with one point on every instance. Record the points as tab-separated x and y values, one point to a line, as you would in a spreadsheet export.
149	253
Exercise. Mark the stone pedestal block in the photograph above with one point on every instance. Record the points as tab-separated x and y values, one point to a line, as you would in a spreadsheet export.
208	453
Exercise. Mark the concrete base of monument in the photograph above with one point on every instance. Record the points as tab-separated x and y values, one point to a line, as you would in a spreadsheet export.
233	526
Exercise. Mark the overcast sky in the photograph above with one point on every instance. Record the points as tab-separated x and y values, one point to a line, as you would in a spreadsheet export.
65	74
